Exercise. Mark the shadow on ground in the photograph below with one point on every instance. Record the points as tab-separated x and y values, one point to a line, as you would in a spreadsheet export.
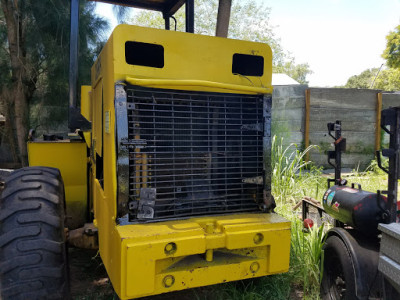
89	280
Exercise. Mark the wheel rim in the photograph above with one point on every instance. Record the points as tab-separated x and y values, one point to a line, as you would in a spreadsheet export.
337	283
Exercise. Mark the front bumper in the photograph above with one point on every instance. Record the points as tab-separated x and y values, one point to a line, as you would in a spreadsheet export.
162	257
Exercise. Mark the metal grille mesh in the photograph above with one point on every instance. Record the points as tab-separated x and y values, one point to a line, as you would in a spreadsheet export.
196	150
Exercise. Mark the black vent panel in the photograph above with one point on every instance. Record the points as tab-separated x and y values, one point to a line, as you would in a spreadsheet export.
199	153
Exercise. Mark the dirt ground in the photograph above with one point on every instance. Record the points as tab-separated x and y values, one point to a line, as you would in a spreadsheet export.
89	280
88	276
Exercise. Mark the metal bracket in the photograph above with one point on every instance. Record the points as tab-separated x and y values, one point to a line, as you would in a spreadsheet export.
145	207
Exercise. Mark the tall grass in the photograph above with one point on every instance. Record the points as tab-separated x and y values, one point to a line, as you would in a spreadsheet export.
307	258
292	176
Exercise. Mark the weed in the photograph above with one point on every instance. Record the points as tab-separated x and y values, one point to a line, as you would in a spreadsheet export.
375	169
292	177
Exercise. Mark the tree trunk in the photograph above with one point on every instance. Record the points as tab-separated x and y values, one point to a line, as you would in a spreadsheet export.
20	79
8	128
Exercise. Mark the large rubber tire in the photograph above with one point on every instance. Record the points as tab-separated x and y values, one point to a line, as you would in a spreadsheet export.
33	253
338	279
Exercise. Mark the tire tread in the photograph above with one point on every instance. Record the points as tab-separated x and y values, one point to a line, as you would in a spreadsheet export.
33	262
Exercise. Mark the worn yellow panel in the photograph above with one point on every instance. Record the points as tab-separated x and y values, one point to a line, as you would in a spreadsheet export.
86	110
241	246
97	123
70	158
86	105
187	56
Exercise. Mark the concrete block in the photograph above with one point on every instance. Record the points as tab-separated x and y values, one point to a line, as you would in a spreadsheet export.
288	91
288	125
344	98
287	114
390	100
292	102
344	115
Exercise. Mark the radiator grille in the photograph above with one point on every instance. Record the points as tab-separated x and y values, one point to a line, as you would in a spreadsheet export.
196	150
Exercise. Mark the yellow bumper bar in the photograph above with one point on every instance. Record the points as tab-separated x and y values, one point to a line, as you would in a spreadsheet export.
175	255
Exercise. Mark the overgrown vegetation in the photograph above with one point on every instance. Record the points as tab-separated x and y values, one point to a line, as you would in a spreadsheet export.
292	176
34	52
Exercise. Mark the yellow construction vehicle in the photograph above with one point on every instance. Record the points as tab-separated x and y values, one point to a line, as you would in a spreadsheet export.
169	165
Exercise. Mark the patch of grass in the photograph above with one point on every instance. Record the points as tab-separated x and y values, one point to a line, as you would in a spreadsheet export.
292	176
292	179
307	257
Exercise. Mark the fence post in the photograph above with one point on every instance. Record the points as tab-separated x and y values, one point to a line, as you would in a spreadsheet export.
378	121
307	124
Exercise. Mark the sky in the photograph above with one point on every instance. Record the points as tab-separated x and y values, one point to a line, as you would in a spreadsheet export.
337	38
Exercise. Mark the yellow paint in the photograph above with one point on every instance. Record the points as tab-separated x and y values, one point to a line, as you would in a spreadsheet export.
154	258
86	102
70	158
86	110
199	84
97	113
146	258
194	60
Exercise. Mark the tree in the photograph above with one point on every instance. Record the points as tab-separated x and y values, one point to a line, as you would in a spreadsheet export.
363	80
23	76
298	72
392	51
35	40
249	21
386	80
